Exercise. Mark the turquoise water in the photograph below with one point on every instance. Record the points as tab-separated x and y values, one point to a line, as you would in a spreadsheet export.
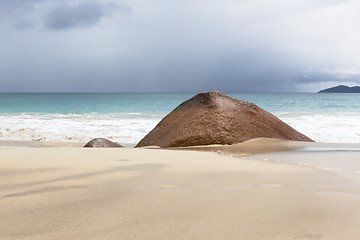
127	117
89	102
165	102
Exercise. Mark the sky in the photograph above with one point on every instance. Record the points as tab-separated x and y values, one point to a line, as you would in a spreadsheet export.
178	46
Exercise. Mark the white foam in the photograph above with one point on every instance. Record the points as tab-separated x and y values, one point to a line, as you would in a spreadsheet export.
132	127
120	127
333	127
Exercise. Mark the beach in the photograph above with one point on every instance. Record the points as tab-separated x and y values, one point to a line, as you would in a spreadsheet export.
68	192
260	189
179	120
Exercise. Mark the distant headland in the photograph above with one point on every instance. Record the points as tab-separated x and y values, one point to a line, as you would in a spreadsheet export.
341	89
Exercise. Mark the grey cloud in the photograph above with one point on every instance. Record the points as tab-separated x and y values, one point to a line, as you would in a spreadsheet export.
12	8
189	45
320	77
58	14
68	16
81	15
15	5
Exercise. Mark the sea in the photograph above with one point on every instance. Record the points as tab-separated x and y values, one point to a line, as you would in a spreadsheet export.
128	117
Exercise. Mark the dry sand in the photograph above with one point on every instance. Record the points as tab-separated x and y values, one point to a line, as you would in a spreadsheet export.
75	193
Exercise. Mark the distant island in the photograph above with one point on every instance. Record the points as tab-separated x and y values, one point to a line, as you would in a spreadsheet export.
341	89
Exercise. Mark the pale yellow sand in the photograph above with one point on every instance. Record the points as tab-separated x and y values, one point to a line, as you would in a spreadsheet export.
75	193
7	143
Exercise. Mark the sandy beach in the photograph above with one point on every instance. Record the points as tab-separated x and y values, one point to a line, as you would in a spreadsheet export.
179	120
76	193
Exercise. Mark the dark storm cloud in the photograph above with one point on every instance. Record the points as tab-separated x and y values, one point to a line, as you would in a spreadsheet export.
189	45
68	16
83	14
58	14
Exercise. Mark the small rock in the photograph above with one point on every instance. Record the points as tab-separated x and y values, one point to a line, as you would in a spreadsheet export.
102	143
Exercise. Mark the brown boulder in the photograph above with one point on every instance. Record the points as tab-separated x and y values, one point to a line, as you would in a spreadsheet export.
102	143
215	118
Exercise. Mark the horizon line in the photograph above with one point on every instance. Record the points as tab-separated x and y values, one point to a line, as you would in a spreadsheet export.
130	92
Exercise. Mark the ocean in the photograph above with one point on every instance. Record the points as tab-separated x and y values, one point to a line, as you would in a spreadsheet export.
128	117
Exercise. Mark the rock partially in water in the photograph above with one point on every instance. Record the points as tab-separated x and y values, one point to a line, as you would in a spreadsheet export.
102	143
215	118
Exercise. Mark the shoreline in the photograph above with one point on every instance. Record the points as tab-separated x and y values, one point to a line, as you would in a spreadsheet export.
263	149
271	144
25	144
63	192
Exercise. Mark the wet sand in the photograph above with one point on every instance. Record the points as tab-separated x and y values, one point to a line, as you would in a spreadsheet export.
76	193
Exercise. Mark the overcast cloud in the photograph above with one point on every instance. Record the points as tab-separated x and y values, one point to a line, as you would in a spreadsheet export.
65	16
190	45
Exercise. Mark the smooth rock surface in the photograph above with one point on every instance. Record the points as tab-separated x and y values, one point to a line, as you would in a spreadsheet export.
102	143
215	118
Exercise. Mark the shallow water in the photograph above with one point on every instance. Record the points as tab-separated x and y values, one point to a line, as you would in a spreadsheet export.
340	160
128	117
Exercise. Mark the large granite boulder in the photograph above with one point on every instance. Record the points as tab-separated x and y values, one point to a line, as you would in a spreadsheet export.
215	118
102	143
